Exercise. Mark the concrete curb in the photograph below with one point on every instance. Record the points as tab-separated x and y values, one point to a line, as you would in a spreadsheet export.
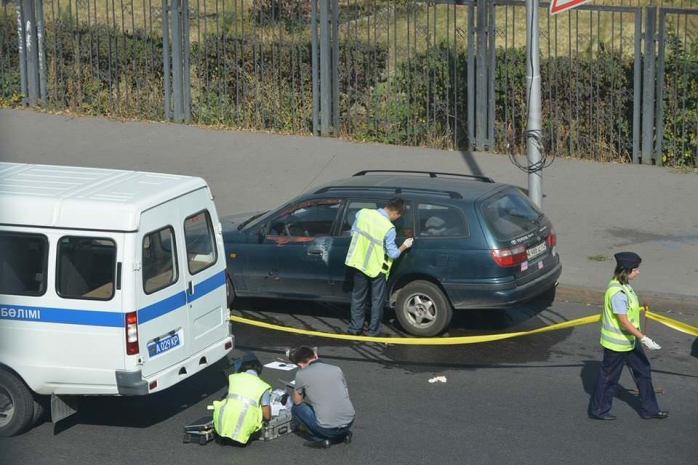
658	302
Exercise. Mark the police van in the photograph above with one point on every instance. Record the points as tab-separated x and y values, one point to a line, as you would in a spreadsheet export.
111	283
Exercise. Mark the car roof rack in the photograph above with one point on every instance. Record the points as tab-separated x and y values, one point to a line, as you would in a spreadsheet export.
392	190
432	174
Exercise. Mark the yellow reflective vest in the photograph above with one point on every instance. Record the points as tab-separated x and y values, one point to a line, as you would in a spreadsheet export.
367	249
613	335
240	413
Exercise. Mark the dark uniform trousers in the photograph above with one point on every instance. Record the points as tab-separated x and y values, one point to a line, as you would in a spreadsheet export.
611	369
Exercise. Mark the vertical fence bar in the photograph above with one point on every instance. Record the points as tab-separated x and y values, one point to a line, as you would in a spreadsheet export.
659	111
177	60
41	49
20	47
315	66
166	57
186	72
648	87
471	76
491	77
637	85
481	83
335	67
325	84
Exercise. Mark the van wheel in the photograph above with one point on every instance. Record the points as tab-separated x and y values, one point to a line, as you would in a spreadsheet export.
16	405
422	309
39	409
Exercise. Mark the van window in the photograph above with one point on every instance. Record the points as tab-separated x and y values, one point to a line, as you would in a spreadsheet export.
159	260
440	221
23	262
86	268
200	242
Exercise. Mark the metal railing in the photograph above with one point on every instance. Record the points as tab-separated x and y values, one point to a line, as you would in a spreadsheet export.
619	82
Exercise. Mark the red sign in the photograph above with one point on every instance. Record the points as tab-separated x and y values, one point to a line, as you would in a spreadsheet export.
558	6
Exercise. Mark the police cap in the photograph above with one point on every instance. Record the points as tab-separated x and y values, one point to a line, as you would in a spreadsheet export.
628	260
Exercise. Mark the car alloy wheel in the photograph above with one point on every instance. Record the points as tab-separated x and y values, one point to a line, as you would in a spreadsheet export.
422	309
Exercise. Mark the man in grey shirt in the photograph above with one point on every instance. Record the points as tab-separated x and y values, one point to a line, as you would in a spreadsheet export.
321	400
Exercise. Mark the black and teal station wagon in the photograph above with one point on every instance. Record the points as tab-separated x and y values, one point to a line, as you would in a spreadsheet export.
477	244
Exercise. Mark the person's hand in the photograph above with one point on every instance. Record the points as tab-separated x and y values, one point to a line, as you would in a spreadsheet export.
408	242
650	344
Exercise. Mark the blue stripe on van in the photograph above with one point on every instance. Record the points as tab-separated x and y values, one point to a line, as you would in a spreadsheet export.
61	315
109	319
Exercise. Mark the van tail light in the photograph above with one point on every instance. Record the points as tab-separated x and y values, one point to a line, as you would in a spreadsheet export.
552	238
510	256
131	333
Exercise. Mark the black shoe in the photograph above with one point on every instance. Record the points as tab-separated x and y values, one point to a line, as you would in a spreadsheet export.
662	414
326	444
353	333
378	335
607	417
347	437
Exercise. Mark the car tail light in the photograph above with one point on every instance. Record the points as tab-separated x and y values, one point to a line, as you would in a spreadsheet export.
510	256
552	237
131	333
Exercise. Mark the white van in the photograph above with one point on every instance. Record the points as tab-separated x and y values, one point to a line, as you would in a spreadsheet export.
111	283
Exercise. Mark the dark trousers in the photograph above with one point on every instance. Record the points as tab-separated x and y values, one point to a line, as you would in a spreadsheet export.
359	300
305	415
607	384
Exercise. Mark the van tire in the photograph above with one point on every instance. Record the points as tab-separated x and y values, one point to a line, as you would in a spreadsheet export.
39	410
16	405
422	309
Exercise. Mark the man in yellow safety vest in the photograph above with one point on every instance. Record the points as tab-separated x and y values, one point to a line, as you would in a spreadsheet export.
247	404
371	254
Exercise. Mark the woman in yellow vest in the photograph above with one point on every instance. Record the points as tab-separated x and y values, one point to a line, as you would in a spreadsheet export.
371	254
620	330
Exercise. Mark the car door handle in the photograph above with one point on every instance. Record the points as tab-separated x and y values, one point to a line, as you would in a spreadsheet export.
191	287
314	252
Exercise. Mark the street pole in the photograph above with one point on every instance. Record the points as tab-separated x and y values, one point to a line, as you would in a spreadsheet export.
533	126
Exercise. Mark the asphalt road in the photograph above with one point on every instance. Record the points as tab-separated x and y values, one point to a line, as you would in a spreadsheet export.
520	400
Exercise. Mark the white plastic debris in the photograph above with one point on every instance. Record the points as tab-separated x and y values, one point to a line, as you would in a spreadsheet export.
438	379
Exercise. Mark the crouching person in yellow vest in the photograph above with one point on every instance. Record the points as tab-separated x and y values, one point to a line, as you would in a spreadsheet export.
239	416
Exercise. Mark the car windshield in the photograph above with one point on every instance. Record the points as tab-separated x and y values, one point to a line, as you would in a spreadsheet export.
510	214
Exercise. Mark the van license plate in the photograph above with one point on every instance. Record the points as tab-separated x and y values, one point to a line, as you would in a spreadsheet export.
535	250
163	345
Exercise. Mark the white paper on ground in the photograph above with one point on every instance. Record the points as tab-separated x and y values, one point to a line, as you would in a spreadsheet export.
281	366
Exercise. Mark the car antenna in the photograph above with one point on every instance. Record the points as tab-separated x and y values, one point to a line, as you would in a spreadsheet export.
319	173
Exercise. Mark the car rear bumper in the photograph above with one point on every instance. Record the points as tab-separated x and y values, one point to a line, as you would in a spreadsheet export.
132	383
498	295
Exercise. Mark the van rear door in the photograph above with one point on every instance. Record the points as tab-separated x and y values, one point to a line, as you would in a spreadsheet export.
163	321
203	267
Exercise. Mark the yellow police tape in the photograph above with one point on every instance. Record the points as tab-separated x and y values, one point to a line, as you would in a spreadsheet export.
440	341
673	324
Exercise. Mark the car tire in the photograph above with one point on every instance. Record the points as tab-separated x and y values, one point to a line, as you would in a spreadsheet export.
16	405
230	291
422	309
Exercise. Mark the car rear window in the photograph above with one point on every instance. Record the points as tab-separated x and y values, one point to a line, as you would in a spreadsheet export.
440	221
510	214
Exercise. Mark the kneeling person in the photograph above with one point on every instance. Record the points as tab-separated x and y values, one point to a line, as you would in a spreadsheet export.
241	413
321	400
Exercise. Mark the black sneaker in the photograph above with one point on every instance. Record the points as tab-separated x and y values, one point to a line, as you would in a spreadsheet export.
325	444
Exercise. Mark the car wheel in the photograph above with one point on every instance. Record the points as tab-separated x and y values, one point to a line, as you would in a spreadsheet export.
422	309
16	405
229	291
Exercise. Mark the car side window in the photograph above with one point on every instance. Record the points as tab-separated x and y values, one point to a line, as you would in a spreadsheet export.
200	242
313	218
159	260
403	225
23	262
440	221
86	268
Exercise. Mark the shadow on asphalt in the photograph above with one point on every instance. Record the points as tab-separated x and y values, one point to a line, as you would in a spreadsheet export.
694	348
412	358
145	411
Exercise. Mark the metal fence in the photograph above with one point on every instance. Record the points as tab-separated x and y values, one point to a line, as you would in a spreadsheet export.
620	82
